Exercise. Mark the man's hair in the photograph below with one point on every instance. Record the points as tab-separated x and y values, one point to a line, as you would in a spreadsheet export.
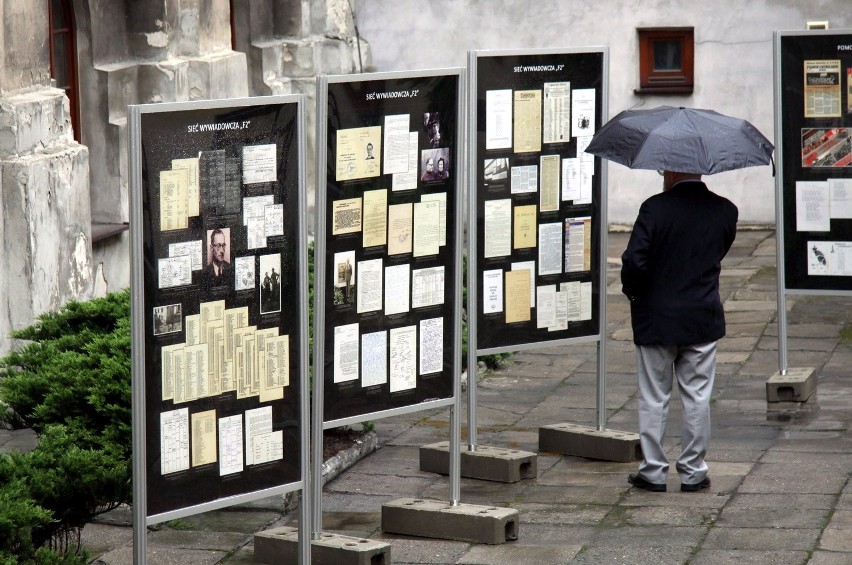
216	232
441	160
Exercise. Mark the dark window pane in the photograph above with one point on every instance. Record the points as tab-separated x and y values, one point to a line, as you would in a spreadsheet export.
58	14
667	55
60	60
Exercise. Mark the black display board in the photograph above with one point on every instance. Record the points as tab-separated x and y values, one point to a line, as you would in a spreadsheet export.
814	127
390	251
220	255
537	196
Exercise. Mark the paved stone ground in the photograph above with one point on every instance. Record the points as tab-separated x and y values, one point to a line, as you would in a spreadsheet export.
781	492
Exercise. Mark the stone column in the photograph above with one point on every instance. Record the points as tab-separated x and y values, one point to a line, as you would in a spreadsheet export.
45	219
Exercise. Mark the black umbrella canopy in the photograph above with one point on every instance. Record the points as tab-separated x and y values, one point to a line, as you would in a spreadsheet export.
686	140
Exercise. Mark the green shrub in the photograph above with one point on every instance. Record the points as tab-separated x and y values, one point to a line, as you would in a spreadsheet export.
71	384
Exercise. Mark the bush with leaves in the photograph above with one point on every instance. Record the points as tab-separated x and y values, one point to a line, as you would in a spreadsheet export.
71	385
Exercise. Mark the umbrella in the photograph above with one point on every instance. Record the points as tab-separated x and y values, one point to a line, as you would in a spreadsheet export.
686	140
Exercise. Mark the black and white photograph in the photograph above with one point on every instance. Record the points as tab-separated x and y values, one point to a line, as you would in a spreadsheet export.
270	283
344	278
435	164
168	319
432	125
217	270
495	171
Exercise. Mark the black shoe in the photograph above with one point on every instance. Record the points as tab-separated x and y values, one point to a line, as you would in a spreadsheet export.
637	481
697	486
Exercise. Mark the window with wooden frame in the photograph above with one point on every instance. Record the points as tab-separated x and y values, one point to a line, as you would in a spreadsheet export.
63	56
666	60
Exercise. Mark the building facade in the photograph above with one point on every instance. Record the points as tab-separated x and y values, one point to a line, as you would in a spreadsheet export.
71	68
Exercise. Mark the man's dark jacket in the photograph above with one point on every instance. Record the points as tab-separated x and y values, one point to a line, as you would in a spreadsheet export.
670	270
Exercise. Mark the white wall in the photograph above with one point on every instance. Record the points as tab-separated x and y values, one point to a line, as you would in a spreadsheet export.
733	60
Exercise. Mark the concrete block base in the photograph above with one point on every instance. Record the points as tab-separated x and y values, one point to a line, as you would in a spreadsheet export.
796	386
584	441
280	546
486	463
441	520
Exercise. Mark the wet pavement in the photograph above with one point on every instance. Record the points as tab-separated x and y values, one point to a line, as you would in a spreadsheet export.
780	493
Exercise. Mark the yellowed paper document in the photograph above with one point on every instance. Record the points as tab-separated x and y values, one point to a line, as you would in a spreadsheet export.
359	153
525	232
174	187
549	191
203	426
375	217
346	216
527	126
517	296
193	193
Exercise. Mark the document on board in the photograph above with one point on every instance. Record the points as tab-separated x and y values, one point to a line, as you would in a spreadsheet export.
191	249
396	144
259	163
431	346
524	179
549	191
397	289
517	296
492	291
193	192
174	203
524	227
369	288
550	248
403	366
527	121
346	216
583	113
174	271
374	358
408	179
527	266
346	353
427	287
840	197
171	356
572	291
545	306
561	321
812	206
441	199
427	221
358	153
557	112
498	228
585	300
498	119
174	441
375	217
578	244
571	189
230	445
203	426
258	422
400	231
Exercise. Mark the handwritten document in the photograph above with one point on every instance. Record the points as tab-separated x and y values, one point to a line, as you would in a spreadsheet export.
403	366
374	358
174	441
431	346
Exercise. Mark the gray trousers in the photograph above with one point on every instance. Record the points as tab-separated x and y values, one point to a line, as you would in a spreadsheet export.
695	369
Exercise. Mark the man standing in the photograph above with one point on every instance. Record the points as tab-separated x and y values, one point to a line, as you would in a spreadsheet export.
670	273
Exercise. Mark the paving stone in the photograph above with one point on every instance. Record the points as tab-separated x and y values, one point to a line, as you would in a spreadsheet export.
638	553
406	549
830	558
771	539
722	557
517	554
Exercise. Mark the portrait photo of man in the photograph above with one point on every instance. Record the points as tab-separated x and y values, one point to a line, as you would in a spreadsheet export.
218	272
